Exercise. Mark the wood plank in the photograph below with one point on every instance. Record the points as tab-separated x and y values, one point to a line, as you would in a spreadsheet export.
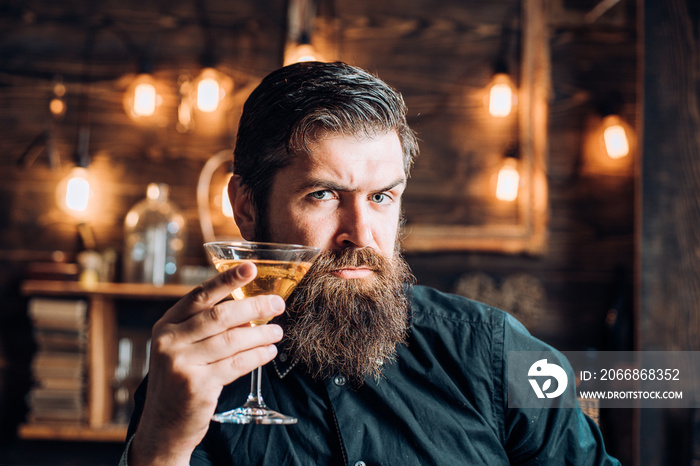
102	347
114	290
72	432
669	243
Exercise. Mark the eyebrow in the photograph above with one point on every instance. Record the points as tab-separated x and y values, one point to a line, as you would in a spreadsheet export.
328	184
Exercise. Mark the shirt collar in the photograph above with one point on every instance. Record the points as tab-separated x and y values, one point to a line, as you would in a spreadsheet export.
284	362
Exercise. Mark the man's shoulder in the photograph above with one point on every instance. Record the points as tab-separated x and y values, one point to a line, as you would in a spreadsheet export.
428	302
440	311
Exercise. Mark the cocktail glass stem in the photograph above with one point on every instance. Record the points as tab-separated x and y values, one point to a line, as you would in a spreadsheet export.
255	398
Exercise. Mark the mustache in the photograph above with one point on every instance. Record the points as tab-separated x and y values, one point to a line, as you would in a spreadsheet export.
329	261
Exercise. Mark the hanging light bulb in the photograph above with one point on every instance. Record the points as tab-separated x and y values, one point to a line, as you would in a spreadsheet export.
210	88
57	104
615	137
508	180
142	98
300	53
73	193
501	99
299	44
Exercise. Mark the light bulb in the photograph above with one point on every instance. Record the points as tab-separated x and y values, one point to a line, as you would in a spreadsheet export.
500	96
73	193
508	180
57	104
209	89
77	194
208	95
615	137
142	98
57	107
301	53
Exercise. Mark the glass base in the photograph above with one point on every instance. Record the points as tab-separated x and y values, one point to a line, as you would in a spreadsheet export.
253	415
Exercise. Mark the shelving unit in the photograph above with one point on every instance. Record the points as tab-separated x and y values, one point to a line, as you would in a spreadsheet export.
101	352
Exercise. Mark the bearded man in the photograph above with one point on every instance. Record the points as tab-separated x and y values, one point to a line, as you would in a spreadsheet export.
376	369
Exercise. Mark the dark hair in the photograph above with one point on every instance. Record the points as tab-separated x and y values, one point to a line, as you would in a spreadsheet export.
299	104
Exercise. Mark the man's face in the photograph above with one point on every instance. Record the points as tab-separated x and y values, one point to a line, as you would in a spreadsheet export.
347	193
351	310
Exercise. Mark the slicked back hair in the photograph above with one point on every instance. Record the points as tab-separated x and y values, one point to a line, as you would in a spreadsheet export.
297	105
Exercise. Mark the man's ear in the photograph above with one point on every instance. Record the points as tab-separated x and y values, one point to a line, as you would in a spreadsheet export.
243	211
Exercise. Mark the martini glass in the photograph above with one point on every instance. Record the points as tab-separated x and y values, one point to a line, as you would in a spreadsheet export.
280	269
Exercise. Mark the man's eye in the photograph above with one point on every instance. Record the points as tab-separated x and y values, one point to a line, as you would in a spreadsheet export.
320	195
379	198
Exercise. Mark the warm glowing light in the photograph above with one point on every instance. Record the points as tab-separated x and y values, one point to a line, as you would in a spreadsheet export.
500	96
144	100
154	191
57	106
74	193
616	142
301	53
77	194
208	95
508	180
226	207
210	90
59	89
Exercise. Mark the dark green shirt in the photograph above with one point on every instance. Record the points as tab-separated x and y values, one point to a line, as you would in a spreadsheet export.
441	402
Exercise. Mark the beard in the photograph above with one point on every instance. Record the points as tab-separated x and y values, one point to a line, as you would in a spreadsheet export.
349	326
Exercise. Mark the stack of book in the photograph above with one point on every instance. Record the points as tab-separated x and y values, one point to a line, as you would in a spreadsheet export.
58	368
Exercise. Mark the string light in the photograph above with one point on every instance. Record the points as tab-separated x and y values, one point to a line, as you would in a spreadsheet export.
74	193
142	98
508	180
209	90
57	104
501	101
615	138
301	53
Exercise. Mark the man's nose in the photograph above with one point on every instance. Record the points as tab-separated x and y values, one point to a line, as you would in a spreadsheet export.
355	226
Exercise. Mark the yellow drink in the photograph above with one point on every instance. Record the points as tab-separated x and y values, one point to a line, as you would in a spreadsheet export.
274	277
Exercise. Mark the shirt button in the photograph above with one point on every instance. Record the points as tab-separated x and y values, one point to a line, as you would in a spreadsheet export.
283	357
360	463
340	380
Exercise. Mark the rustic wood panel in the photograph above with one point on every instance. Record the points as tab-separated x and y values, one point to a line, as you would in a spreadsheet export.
670	232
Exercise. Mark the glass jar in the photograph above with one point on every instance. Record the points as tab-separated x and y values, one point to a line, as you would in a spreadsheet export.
154	233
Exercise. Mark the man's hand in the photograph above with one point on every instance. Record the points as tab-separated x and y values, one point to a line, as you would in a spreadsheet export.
199	346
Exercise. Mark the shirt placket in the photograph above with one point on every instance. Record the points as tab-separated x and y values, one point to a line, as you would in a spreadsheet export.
340	401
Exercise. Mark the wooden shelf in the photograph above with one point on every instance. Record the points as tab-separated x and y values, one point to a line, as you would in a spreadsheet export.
113	290
101	354
72	432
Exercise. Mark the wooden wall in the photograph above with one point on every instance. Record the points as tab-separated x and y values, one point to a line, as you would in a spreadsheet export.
669	254
585	270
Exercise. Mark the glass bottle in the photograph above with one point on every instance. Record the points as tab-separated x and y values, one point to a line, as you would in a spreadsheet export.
153	239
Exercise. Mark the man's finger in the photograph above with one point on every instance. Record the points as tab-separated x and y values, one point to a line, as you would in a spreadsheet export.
206	295
229	314
231	342
229	369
